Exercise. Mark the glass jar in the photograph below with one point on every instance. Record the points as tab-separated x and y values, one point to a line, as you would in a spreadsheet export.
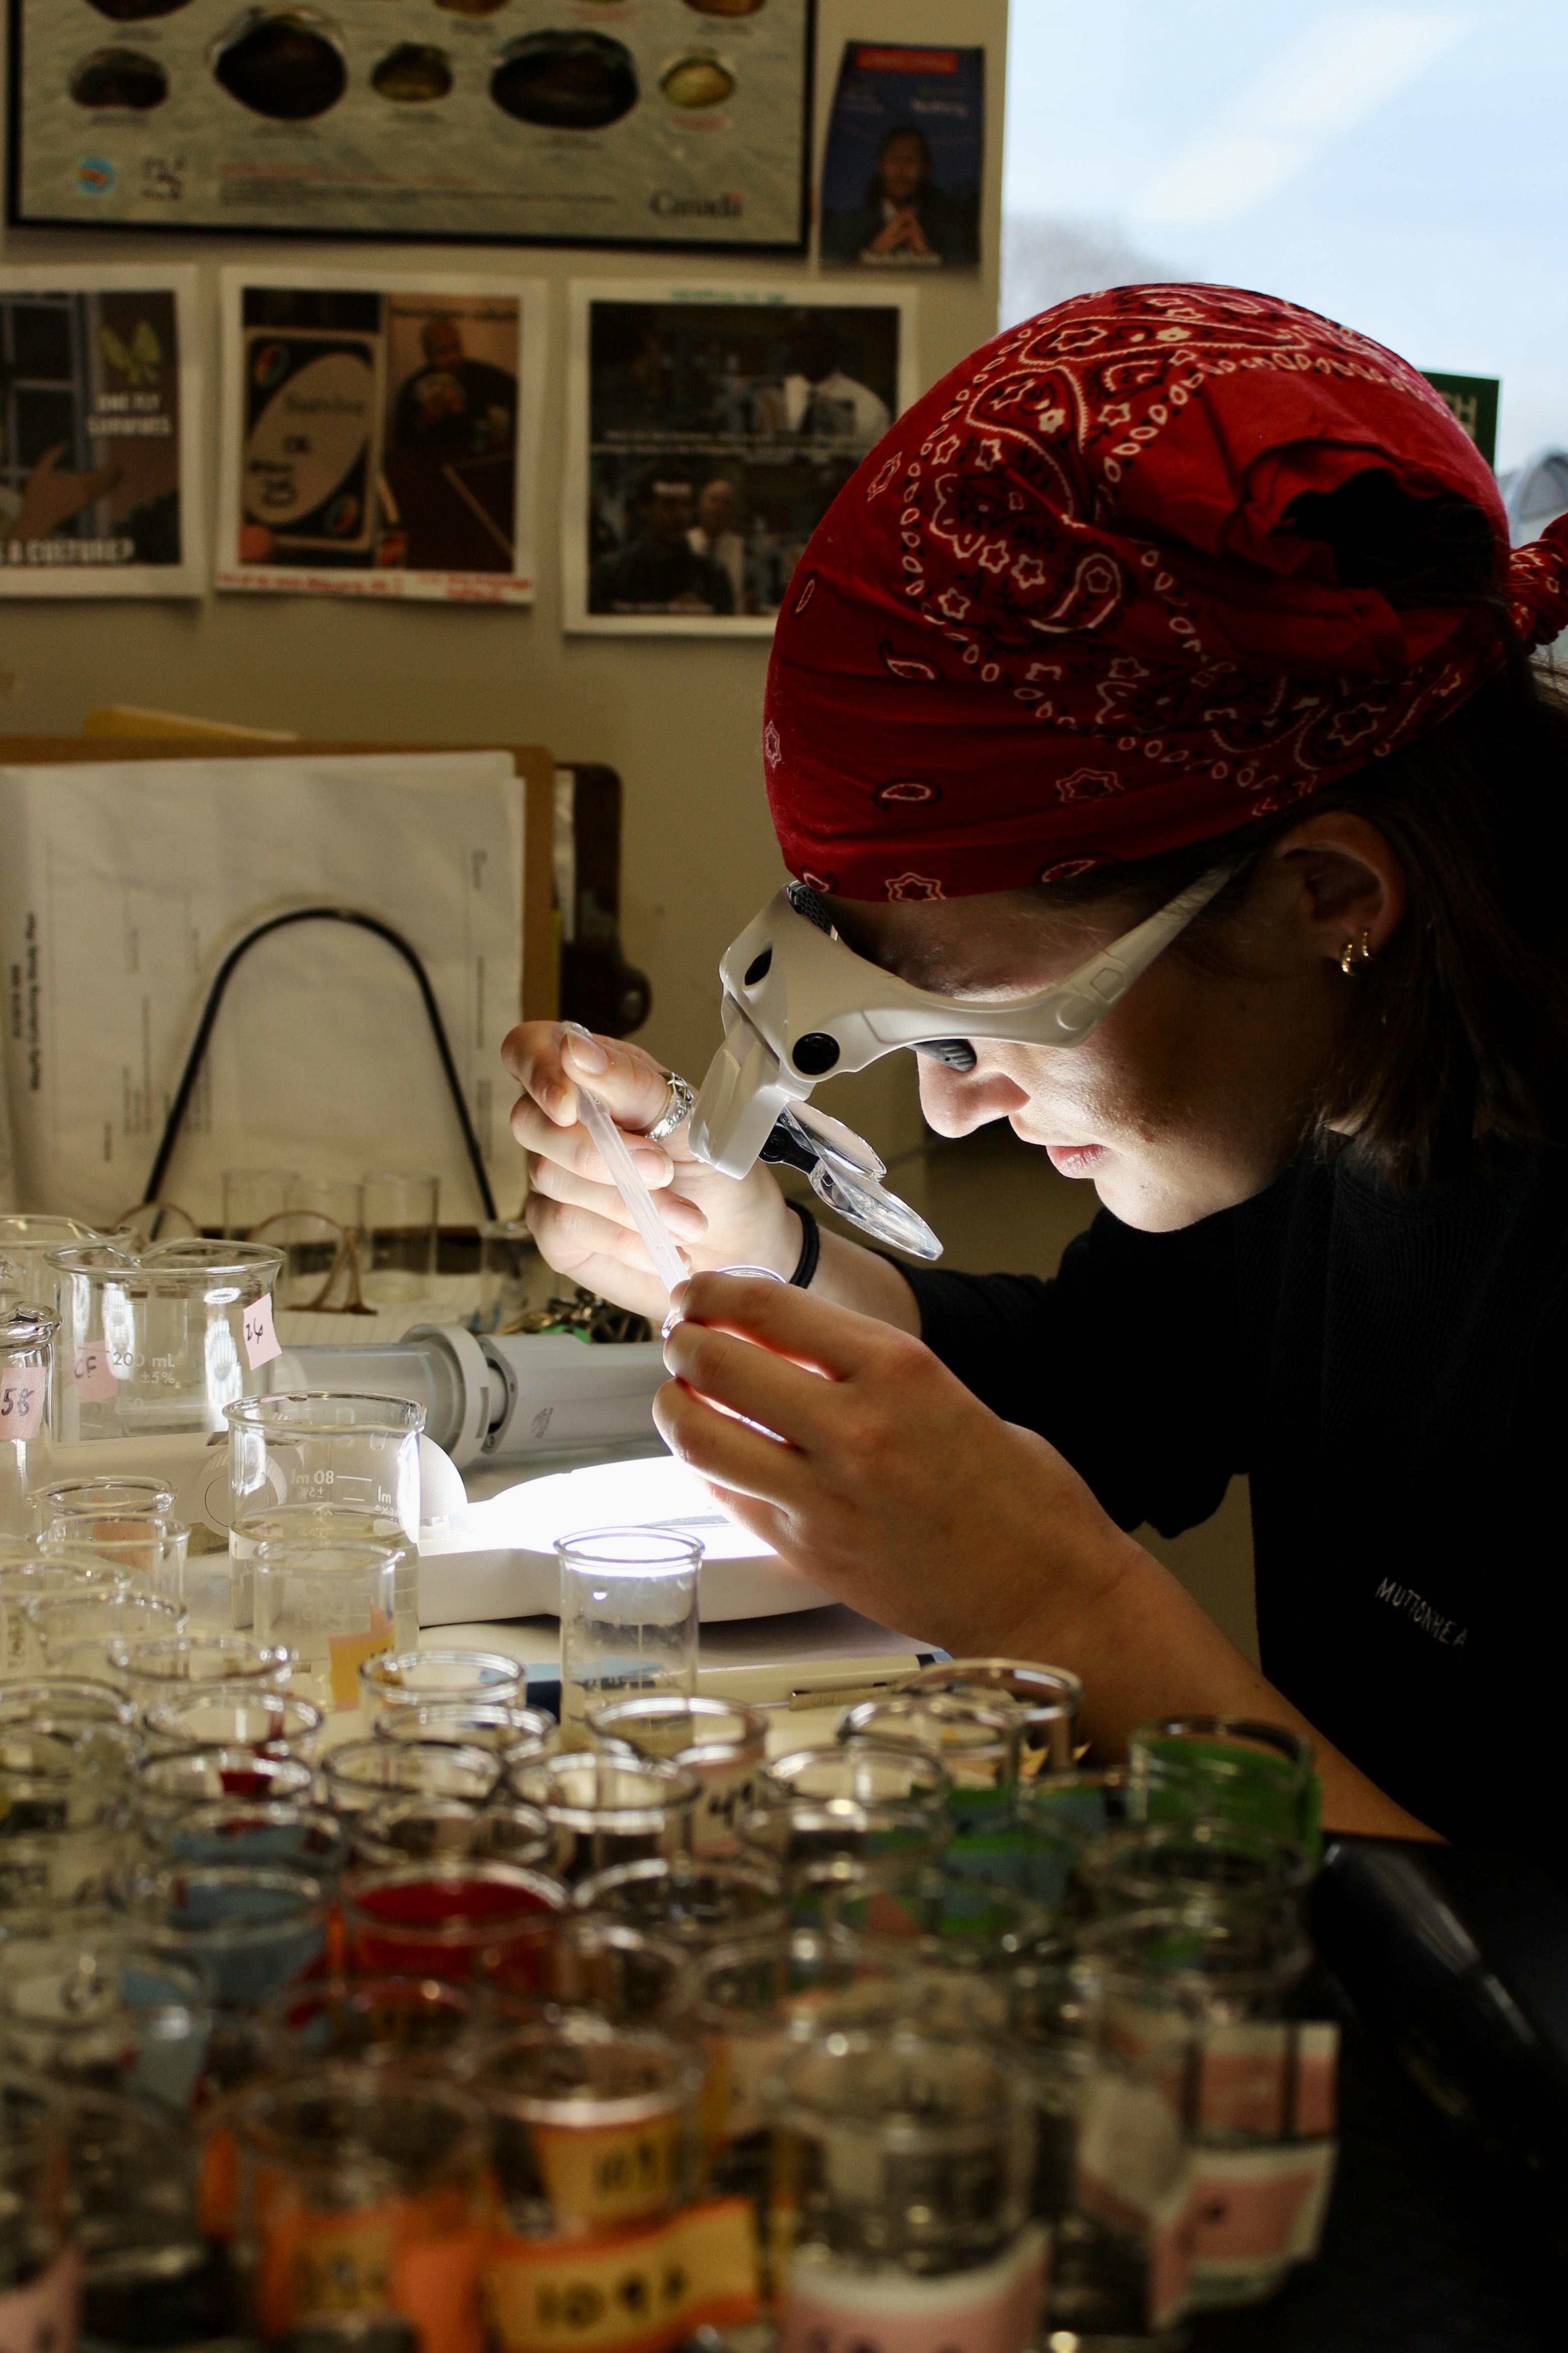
1045	1700
605	1808
629	1618
154	1342
26	1355
1228	1770
1209	1999
442	1918
361	2191
724	1742
912	2159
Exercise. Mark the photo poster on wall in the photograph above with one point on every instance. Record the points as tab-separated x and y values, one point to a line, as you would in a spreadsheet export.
677	123
901	177
99	433
708	430
380	434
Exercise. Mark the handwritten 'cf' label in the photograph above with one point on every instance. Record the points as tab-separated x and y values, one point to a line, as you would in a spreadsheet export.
92	1376
22	1392
261	1342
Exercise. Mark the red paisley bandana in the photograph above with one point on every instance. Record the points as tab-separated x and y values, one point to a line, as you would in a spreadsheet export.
1057	618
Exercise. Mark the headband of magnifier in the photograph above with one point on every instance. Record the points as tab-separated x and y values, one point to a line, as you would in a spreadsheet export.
800	1006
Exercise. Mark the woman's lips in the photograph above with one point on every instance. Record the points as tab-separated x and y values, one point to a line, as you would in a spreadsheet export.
1075	1159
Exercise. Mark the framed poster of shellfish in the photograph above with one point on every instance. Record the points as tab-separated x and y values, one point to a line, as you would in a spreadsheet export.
597	123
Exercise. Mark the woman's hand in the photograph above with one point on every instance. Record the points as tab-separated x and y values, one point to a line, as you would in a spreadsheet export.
574	1212
894	1487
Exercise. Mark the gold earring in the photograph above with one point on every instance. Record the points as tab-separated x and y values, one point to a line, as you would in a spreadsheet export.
1350	956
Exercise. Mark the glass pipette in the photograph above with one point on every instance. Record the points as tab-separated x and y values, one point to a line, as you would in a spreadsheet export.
669	1264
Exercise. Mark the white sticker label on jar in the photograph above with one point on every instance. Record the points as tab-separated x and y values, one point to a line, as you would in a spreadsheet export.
1259	2205
261	1342
830	2308
22	1393
92	1374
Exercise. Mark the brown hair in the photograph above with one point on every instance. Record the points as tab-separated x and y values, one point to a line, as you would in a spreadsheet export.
1461	1028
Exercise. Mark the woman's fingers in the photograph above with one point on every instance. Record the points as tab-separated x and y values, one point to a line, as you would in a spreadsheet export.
725	1452
548	1061
560	1183
830	1340
744	1378
606	1258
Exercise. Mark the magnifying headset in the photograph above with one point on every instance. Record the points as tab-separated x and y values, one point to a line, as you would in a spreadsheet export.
800	1006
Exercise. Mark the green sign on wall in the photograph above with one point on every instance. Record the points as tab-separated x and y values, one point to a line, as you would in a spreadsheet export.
1474	401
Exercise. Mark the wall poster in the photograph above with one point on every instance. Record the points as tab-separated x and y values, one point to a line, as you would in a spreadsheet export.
708	430
99	433
901	179
622	122
379	433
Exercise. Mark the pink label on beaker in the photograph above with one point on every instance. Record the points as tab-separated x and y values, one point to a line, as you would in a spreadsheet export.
92	1374
1252	2204
23	1388
261	1342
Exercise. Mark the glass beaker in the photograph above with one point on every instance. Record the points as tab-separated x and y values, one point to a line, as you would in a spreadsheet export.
360	1774
252	1195
105	2011
93	1508
1227	1770
400	1215
76	1632
404	1678
441	1919
724	1742
512	1734
333	1606
353	1459
978	1744
450	1830
606	1809
27	1350
363	2195
595	2139
689	1900
250	1928
324	1452
866	1772
26	1274
818	1843
629	1618
1208	1997
513	1277
168	1666
155	1342
266	1724
27	1579
174	1780
912	2159
1047	1699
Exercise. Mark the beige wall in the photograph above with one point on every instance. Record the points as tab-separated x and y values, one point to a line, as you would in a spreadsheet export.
678	719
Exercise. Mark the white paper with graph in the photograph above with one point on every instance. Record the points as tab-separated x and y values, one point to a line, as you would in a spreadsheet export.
124	886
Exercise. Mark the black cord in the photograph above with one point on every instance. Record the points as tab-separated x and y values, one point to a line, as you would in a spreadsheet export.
188	1076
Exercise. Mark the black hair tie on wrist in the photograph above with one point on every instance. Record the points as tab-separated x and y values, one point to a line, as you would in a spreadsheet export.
810	1247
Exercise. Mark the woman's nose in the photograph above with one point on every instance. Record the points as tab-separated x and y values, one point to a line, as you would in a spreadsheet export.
956	1102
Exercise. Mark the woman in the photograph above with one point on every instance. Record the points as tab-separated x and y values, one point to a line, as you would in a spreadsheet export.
1170	580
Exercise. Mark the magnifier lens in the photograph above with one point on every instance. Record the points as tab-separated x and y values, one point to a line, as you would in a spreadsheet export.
877	1212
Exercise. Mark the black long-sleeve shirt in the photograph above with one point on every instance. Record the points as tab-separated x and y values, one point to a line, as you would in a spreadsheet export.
1390	1373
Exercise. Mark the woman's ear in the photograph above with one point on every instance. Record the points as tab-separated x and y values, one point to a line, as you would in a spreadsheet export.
1348	883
